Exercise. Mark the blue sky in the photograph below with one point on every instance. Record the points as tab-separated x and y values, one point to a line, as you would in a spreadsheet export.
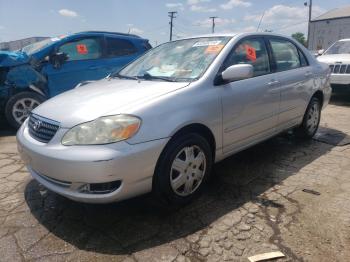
149	18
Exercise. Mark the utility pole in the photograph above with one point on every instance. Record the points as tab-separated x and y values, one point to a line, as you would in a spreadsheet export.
172	16
213	23
309	25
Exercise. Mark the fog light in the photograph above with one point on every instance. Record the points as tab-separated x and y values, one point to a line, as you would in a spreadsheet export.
100	188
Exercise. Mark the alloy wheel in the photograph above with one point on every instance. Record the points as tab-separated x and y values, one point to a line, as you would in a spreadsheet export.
22	108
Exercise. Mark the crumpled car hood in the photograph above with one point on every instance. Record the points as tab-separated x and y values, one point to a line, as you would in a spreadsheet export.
8	58
103	98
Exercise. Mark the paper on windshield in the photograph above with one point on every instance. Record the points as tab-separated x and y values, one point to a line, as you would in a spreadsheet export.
54	39
165	70
206	43
214	49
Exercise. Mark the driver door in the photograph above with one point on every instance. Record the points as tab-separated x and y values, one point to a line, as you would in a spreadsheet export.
83	63
249	106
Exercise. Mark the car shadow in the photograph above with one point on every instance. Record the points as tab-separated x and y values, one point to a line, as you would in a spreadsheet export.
138	224
5	129
340	98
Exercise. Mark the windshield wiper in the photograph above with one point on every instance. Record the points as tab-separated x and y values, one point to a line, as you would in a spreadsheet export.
148	76
124	77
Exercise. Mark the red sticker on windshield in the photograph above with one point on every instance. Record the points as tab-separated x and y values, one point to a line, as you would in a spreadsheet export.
251	53
82	49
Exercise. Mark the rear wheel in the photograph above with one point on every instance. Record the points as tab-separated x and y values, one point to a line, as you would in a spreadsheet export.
19	107
311	119
183	169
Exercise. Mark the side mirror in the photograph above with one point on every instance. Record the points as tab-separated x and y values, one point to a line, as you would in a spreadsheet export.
320	52
58	59
237	72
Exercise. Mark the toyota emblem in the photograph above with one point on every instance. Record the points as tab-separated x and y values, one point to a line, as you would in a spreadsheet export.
37	124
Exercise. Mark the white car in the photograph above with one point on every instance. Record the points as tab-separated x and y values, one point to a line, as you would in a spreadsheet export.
338	58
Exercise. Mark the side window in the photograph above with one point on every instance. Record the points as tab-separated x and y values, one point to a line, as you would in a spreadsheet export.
83	49
119	47
286	54
253	52
303	60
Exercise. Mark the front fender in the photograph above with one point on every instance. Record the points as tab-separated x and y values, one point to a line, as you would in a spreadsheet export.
190	105
24	77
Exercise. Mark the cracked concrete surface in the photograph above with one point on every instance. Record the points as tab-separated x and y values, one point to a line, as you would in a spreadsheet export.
253	204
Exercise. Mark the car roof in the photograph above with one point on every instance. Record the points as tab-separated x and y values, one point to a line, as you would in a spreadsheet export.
236	34
107	33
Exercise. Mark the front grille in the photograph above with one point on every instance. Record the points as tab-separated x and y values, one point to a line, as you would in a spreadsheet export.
340	69
42	129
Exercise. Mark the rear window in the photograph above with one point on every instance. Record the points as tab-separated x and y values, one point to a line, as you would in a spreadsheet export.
147	46
119	47
286	54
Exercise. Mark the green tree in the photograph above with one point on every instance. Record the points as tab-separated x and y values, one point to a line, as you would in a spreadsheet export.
300	37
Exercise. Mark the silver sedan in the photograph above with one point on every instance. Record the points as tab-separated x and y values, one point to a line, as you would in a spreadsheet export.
160	123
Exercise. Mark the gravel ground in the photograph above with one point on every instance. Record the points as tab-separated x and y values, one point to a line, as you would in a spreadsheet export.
254	204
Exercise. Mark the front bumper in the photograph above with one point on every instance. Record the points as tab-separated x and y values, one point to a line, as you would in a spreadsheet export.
340	79
67	169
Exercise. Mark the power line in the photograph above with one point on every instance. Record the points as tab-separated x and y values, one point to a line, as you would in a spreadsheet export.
172	16
186	29
179	29
179	33
149	30
288	26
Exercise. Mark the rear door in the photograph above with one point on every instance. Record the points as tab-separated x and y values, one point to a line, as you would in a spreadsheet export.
84	63
295	77
249	106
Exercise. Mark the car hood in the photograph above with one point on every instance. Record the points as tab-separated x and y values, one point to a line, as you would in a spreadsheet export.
332	59
8	58
102	98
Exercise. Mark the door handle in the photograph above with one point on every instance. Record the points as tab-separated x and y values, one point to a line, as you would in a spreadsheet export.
307	74
273	83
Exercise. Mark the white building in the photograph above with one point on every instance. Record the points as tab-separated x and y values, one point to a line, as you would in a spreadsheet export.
329	27
18	44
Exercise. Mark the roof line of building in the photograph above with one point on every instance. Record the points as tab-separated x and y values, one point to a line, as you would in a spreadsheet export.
327	19
336	13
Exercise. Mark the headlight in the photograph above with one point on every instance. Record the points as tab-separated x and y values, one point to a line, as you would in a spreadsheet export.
103	130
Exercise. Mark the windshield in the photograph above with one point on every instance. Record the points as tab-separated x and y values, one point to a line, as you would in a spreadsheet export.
182	60
35	47
340	47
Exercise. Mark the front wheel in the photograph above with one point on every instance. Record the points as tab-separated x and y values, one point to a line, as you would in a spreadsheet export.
311	119
19	107
183	169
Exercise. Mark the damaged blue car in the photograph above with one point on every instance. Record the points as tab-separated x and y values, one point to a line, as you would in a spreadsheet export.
47	68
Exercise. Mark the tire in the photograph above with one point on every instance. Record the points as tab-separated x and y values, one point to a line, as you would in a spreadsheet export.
20	105
178	184
311	120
